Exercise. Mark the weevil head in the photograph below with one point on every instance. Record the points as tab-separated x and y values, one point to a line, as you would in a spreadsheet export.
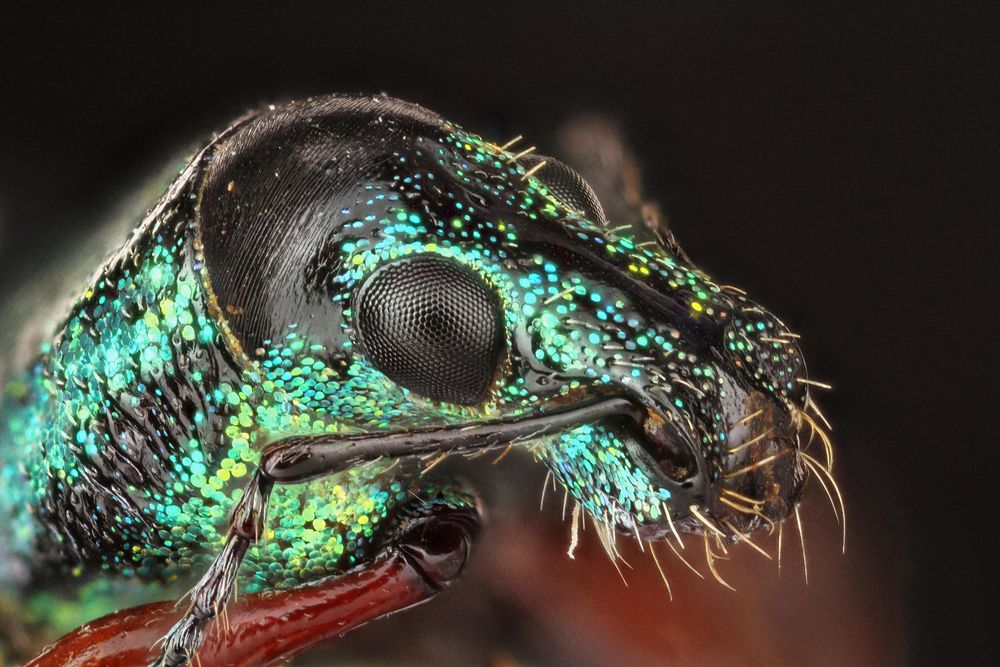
381	269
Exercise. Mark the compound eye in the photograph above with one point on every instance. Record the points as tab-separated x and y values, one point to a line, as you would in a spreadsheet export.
567	186
433	327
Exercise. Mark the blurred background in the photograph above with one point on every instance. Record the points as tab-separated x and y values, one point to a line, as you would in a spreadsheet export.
834	160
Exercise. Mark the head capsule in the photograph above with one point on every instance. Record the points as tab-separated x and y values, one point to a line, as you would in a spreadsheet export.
383	270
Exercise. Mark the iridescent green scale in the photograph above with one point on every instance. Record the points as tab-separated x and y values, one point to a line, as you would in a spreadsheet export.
227	326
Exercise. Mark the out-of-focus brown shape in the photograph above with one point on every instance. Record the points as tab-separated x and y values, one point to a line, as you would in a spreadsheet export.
522	601
588	616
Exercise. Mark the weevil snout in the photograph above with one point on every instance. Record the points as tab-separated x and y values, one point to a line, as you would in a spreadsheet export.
763	473
734	441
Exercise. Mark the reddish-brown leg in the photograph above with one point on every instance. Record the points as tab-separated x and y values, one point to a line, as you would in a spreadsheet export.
269	628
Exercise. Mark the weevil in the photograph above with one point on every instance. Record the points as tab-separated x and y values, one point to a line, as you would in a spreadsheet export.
334	295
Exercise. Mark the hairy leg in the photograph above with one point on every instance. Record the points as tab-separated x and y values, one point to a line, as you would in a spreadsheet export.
301	459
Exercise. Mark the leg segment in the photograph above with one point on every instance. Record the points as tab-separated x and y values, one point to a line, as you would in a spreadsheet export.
208	597
431	541
431	534
301	459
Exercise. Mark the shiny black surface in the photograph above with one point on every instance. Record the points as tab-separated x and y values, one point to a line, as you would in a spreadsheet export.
275	197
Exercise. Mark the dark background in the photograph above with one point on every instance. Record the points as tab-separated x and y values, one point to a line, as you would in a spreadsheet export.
836	161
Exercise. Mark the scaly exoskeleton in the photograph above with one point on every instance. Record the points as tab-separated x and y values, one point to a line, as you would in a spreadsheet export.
340	291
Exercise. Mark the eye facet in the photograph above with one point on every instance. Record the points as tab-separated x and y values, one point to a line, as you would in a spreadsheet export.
567	186
433	327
